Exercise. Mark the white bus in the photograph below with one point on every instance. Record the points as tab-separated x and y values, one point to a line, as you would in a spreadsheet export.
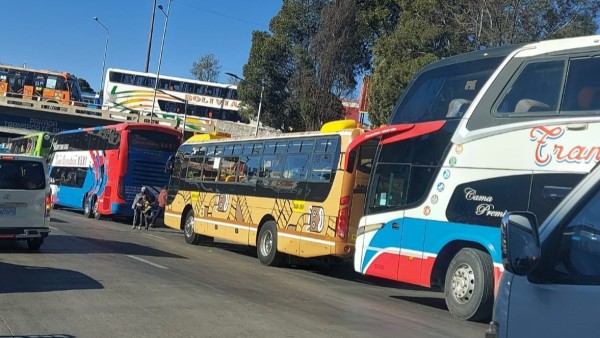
127	90
472	136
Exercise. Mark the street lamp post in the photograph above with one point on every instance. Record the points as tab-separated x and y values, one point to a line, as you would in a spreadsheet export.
262	90
185	108
105	49
150	37
162	45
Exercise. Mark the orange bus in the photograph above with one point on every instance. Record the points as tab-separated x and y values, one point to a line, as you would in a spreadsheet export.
39	85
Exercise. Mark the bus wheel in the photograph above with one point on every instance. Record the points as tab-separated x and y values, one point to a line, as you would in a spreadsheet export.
95	209
188	229
469	286
87	208
266	246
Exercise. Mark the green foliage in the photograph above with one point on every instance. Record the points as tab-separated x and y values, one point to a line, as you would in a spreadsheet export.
84	85
309	60
417	32
207	68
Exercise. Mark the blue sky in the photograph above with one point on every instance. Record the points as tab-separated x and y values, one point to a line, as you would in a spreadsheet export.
63	36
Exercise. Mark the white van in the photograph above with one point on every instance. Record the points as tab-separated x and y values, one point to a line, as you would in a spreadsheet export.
551	283
25	199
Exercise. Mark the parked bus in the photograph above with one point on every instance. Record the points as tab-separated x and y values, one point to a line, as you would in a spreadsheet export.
472	136
285	194
127	90
100	170
43	85
35	144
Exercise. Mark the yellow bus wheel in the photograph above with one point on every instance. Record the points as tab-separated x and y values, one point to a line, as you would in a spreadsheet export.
188	229
266	246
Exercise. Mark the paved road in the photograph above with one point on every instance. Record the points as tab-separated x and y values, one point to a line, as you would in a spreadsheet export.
102	279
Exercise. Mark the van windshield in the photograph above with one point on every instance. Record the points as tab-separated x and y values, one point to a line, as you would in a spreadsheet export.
22	175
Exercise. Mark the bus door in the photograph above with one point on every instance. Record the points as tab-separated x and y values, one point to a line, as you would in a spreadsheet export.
380	233
362	173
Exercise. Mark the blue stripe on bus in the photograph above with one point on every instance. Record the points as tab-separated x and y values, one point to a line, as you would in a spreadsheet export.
429	236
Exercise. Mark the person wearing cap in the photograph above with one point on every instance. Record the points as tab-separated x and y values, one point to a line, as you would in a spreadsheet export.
137	206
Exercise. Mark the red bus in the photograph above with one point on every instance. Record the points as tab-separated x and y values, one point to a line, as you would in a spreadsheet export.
100	170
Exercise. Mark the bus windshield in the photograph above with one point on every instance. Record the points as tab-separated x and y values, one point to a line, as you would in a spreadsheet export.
148	139
444	92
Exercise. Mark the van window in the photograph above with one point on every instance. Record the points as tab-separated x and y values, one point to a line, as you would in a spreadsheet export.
22	175
578	256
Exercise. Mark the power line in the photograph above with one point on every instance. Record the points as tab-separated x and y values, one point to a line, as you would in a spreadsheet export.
222	15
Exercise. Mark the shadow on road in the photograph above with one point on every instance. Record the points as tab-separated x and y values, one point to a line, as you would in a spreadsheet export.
88	245
19	278
66	244
437	303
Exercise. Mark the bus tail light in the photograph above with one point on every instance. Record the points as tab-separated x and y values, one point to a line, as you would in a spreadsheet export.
341	227
345	200
48	204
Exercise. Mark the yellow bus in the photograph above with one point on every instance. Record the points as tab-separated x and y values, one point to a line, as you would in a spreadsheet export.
286	195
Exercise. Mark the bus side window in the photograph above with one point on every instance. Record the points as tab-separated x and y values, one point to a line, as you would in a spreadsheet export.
536	89
322	168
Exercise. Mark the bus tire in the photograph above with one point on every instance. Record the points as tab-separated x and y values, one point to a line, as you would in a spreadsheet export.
188	229
266	245
95	212
87	207
469	285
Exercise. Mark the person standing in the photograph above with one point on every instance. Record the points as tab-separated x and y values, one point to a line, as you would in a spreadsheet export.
162	200
137	206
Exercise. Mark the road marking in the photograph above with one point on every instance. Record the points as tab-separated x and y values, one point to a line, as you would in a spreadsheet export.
53	228
149	235
148	262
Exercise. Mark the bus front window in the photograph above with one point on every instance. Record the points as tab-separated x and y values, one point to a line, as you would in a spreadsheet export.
444	92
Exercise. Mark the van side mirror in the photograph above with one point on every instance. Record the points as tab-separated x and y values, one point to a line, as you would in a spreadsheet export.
169	165
520	242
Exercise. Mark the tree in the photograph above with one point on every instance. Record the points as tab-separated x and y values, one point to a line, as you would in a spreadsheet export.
307	62
84	85
427	30
207	68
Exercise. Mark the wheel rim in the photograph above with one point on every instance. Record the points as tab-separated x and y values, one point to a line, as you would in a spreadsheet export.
95	210
463	283
86	207
266	243
189	226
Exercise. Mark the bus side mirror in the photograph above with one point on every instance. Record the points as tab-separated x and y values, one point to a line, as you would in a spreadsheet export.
169	165
520	242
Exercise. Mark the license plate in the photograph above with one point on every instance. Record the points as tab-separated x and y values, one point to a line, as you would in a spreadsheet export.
8	212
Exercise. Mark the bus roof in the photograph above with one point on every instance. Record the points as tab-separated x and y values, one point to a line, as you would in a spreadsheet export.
51	72
39	133
128	126
342	127
535	48
167	77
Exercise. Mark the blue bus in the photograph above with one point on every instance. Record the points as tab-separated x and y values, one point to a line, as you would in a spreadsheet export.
100	170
